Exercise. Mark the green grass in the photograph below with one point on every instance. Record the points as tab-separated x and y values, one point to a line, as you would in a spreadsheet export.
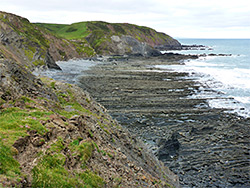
52	27
83	150
38	63
77	109
29	54
91	179
73	31
99	30
58	146
51	171
15	122
97	35
66	98
8	165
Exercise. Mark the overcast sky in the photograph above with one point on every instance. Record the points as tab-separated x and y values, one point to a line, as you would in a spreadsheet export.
178	18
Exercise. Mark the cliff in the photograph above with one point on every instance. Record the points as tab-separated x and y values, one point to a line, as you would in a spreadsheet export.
42	44
54	134
32	46
115	38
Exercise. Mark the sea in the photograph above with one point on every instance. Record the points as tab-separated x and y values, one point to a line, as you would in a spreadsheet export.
224	80
227	77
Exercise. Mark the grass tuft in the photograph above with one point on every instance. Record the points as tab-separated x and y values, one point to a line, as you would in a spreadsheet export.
50	172
8	165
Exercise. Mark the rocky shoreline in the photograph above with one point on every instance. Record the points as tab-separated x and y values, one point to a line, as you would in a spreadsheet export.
53	134
205	147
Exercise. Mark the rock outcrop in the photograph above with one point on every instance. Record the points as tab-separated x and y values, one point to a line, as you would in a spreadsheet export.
129	45
116	38
17	81
32	46
43	44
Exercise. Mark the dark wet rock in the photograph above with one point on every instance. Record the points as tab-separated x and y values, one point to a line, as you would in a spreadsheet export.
176	56
168	149
212	54
170	45
195	47
50	62
206	147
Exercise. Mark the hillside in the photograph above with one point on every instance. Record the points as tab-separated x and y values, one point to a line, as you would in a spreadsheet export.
54	134
42	44
32	46
114	38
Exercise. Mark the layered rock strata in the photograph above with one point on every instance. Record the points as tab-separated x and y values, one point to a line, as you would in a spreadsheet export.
206	147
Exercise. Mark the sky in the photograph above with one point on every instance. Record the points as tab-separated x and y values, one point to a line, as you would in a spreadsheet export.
178	18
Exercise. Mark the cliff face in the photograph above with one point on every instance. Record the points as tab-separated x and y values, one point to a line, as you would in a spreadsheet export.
115	38
32	46
42	44
54	134
125	38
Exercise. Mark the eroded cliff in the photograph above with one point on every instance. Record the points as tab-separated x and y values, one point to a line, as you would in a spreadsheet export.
53	134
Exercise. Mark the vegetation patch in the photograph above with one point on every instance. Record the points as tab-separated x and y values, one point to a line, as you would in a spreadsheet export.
71	32
58	146
66	99
71	29
9	167
96	35
91	179
29	54
82	150
15	122
50	172
38	63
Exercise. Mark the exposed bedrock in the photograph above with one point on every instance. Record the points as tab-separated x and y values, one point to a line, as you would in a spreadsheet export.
206	147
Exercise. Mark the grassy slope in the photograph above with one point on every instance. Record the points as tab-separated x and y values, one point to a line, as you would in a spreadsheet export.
83	29
24	41
71	32
98	34
21	116
28	38
17	121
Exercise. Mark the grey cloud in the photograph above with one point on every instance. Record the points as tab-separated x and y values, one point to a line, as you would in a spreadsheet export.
152	13
108	6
